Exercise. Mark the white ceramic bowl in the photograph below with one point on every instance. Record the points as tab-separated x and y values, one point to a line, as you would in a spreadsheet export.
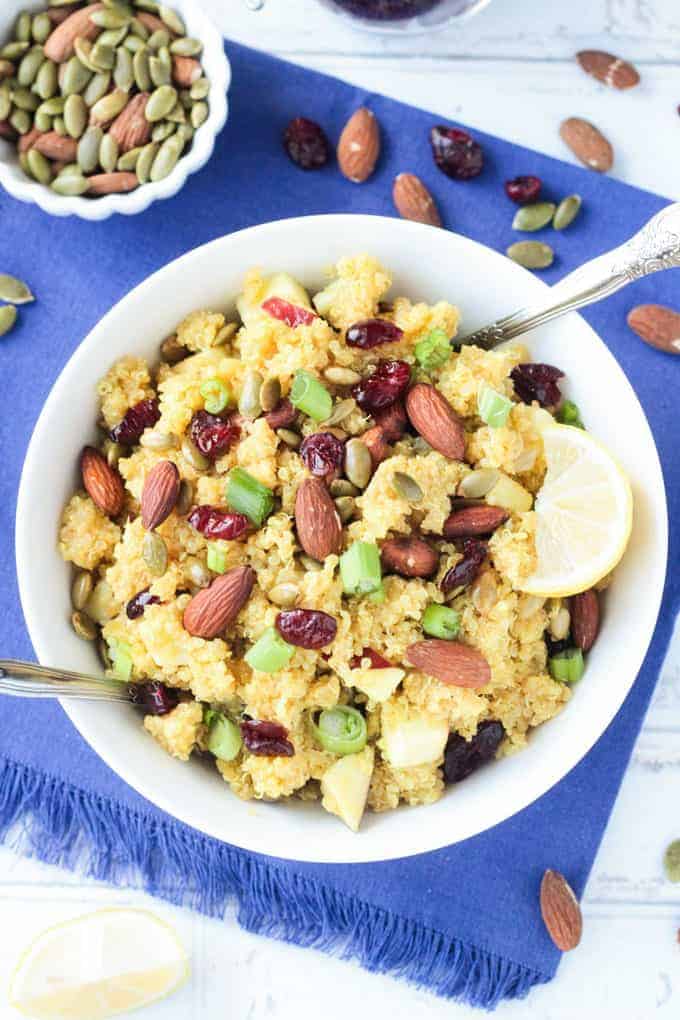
217	69
428	264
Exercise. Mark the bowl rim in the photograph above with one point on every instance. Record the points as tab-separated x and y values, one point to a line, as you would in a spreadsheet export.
77	712
19	186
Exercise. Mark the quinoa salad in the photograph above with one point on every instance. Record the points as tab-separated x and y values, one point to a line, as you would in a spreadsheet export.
306	542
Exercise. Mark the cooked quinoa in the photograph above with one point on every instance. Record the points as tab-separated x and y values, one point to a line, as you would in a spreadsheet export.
262	726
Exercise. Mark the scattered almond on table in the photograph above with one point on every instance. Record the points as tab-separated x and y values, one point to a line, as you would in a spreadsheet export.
657	325
587	143
359	146
413	200
560	911
608	69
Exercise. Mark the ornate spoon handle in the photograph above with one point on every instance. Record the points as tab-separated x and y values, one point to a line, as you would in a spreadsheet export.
656	246
28	680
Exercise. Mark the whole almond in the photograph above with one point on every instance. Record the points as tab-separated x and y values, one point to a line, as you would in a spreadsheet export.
215	608
657	325
159	495
153	23
452	662
56	146
414	201
474	520
376	441
59	14
185	71
7	130
409	556
560	911
27	141
585	619
131	128
318	523
102	483
433	417
608	69
392	420
359	146
587	143
112	184
60	44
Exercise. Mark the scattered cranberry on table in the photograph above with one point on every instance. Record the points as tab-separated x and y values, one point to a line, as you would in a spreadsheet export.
306	143
456	153
523	189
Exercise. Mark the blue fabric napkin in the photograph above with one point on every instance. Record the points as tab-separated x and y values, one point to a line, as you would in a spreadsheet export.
462	921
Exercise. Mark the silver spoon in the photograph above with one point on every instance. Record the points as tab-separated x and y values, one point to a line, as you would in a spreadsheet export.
28	680
656	246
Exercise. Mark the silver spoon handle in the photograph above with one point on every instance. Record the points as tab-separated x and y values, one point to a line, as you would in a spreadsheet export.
656	246
28	680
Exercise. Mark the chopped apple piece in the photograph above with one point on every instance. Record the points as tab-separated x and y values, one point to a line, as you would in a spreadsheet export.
510	495
378	684
280	285
345	787
413	741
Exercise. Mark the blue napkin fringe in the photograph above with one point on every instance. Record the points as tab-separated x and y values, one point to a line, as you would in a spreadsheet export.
47	819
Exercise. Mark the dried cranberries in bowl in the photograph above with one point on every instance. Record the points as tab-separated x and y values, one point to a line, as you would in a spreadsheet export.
383	387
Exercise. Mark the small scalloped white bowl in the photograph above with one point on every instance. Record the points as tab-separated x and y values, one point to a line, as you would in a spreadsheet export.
217	69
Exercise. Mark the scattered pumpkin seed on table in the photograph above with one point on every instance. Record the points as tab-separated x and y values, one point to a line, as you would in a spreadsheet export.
8	316
14	291
671	861
533	217
566	212
531	254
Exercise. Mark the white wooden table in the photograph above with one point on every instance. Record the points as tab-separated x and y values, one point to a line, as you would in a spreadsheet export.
510	71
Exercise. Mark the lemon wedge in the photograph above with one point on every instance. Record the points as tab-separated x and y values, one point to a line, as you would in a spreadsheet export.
97	966
584	514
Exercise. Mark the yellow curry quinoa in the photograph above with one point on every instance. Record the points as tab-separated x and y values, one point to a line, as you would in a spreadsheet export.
302	543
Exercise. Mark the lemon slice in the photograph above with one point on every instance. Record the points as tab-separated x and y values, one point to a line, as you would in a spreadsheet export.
584	514
97	966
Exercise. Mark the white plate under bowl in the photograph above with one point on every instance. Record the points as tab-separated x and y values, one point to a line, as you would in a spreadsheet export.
428	264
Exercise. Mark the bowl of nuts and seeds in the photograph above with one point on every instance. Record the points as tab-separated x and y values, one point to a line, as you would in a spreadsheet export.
106	107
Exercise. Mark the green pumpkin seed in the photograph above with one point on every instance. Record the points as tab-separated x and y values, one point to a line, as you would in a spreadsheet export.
14	50
185	498
108	18
145	162
284	595
341	411
185	133
20	121
53	107
162	131
42	121
83	51
166	158
185	99
15	291
163	55
81	589
88	149
102	56
147	5
8	316
24	99
531	254
70	185
158	440
160	103
407	487
566	212
171	351
158	38
339	376
199	574
59	126
112	37
199	114
75	115
671	861
177	114
533	217
134	44
76	76
160	74
155	553
290	438
5	101
200	88
249	399
128	161
113	452
139	29
46	80
171	18
358	463
270	394
30	65
140	67
23	163
97	88
341	487
309	563
123	8
69	168
193	455
186	47
59	3
41	27
123	72
108	153
346	507
109	106
22	27
84	626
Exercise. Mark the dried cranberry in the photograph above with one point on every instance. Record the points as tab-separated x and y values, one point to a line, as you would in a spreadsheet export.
456	153
377	661
292	315
322	453
387	10
381	389
215	523
267	739
372	332
557	647
139	602
392	420
306	144
143	415
283	415
306	628
153	697
465	570
213	435
462	757
523	189
537	382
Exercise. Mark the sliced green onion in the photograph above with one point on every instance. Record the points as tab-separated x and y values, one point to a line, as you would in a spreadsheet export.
224	738
441	621
341	730
121	660
569	414
433	350
247	496
567	666
492	406
270	652
310	396
360	569
215	395
217	558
